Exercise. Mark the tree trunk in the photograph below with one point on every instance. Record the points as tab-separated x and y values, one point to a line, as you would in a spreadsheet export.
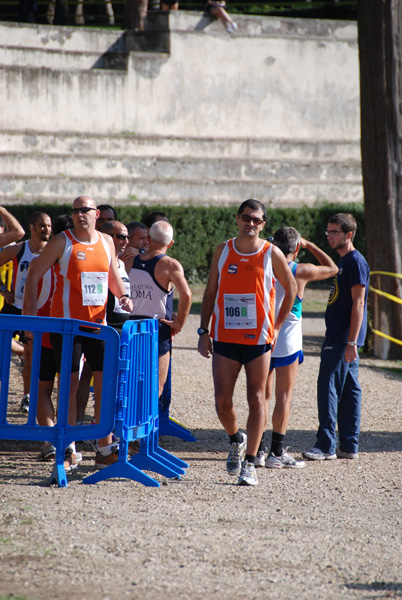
380	49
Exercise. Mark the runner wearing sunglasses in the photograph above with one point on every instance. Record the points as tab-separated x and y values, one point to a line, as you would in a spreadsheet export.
240	298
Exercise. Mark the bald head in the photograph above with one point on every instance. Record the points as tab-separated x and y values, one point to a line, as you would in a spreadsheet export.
84	201
111	227
161	233
84	213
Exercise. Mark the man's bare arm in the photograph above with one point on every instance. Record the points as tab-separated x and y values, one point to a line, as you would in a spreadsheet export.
6	256
307	272
356	319
179	281
208	303
9	253
128	256
14	230
38	267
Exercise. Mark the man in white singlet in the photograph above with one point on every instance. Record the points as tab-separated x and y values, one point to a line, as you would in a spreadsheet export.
21	255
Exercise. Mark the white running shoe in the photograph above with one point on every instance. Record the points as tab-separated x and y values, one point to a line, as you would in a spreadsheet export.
260	459
317	454
350	455
236	454
284	461
247	475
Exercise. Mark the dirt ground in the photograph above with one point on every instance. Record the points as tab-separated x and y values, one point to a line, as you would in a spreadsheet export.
330	530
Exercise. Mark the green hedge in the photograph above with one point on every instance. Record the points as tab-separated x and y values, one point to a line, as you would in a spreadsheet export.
198	230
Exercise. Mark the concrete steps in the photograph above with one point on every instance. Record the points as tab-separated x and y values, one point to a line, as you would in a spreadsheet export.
49	37
204	135
175	146
185	167
129	169
181	192
62	48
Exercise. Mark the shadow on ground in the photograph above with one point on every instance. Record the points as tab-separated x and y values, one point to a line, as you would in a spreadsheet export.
214	440
378	586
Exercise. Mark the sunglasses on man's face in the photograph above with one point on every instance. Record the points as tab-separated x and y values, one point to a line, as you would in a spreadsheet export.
248	219
119	236
83	210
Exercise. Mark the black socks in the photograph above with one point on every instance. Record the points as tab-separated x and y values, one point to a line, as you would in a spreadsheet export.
237	438
249	458
277	443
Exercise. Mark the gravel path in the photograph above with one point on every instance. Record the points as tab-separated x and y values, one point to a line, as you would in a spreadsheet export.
330	530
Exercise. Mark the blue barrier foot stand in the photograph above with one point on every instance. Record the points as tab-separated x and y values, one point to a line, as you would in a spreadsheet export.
151	447
152	462
168	426
164	454
122	470
59	475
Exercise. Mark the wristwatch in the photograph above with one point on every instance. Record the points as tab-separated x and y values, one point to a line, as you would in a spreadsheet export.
3	288
352	343
202	330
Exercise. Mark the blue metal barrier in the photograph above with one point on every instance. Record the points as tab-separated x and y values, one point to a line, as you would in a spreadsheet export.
62	434
137	409
167	425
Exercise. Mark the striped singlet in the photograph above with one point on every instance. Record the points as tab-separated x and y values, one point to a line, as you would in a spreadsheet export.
82	275
244	311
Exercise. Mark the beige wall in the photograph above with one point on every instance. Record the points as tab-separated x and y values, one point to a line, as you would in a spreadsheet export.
289	79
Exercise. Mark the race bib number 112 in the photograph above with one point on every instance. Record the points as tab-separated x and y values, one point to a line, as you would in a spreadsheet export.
94	288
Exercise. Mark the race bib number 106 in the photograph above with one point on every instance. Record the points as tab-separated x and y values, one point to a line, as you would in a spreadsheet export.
240	311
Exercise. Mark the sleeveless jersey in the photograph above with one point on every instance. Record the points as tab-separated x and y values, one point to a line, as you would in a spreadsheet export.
290	338
20	271
82	275
244	309
149	297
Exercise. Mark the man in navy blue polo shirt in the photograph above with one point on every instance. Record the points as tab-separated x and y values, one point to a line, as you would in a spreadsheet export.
338	388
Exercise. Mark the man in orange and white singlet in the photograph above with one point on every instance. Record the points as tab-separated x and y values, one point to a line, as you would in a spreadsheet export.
84	270
240	297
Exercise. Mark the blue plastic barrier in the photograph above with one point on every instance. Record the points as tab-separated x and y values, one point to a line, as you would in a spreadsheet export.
62	434
167	425
137	415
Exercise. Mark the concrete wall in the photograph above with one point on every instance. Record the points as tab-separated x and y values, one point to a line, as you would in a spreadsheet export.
280	78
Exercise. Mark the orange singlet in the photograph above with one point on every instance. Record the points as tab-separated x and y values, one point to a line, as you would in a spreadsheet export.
244	310
82	280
